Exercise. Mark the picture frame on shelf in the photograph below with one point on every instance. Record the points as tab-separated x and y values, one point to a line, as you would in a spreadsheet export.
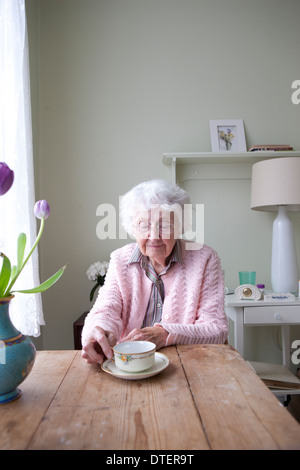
227	135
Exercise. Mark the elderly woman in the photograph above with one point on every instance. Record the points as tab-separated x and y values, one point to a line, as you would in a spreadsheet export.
156	289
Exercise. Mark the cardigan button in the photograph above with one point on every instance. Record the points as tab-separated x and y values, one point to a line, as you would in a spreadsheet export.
166	317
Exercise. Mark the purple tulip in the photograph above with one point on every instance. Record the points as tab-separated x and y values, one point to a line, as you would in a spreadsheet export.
42	209
6	178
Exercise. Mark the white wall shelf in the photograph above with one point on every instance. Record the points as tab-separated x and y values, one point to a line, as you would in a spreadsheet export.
174	159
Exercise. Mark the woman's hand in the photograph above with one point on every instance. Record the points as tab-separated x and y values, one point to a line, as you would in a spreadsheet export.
155	334
98	345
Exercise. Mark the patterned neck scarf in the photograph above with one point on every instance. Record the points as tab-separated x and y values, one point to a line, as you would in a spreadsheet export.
155	304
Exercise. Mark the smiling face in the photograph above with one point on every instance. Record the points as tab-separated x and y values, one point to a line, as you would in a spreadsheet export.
154	233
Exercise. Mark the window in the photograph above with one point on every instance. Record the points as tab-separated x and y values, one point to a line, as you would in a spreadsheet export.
16	206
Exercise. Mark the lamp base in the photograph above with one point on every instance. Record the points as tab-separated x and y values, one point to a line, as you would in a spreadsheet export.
284	270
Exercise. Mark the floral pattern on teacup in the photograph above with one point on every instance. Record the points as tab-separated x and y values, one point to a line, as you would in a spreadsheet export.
126	358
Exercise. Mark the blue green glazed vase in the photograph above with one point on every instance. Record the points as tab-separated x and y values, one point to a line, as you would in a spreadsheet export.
17	355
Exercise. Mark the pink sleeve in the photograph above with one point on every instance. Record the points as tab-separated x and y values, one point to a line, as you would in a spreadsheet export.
106	311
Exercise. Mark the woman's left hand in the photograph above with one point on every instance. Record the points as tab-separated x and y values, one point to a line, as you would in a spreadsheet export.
155	334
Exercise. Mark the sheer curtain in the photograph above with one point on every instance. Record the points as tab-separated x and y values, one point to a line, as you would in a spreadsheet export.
16	206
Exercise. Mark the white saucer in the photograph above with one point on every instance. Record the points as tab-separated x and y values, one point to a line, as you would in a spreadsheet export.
161	362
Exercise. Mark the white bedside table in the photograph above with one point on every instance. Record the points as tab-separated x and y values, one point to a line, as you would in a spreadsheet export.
249	312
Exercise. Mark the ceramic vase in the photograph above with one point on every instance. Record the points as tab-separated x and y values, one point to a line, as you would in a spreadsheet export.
17	355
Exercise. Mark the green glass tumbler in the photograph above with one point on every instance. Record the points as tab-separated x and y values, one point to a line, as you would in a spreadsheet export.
247	277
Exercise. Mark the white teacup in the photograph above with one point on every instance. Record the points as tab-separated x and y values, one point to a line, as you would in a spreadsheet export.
134	356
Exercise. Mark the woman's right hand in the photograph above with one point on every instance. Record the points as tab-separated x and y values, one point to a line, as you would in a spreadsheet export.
98	346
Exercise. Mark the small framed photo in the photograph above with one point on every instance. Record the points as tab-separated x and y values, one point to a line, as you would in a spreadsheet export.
227	135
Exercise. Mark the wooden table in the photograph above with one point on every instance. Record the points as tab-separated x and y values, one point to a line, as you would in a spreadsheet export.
207	398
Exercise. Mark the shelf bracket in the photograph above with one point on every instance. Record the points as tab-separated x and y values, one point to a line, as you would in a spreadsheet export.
173	170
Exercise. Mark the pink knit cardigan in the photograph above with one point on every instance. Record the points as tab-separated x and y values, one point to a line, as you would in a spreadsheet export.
193	309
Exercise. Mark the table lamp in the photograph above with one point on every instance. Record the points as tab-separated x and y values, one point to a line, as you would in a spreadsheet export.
276	187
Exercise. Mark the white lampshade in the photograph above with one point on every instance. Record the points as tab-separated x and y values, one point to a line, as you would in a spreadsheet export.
276	182
276	187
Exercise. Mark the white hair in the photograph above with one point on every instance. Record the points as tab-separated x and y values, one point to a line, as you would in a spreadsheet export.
148	194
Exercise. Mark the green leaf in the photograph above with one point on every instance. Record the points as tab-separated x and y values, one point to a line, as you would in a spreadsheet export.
45	285
5	274
21	249
13	271
93	292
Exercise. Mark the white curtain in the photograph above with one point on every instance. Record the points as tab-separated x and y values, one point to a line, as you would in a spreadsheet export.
16	206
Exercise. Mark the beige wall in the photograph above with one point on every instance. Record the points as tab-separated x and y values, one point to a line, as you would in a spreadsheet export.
115	84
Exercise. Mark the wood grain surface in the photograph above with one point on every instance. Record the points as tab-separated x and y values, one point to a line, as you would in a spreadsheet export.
207	398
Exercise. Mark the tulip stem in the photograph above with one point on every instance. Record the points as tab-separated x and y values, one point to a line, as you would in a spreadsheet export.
30	253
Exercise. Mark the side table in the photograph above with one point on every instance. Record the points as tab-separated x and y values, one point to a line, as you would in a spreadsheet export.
259	313
247	312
